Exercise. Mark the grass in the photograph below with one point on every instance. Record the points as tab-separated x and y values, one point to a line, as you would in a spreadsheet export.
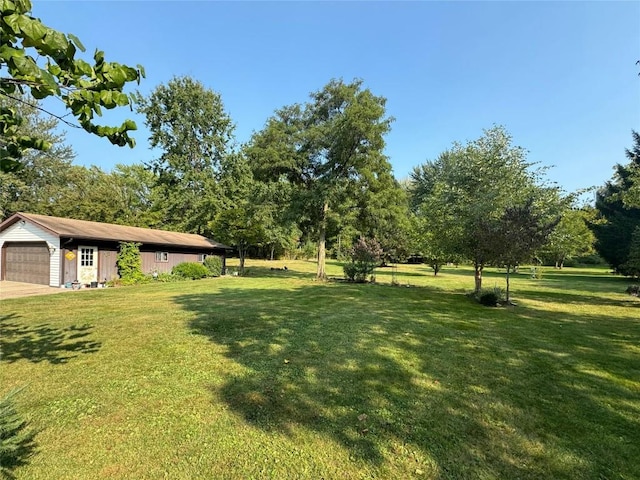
274	375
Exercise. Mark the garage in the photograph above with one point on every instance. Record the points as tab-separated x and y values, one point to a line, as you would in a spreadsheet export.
26	262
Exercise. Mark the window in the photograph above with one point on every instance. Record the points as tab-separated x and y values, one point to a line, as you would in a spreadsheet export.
162	257
202	256
86	257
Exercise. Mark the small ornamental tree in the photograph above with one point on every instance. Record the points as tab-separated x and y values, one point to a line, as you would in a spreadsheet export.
129	263
365	257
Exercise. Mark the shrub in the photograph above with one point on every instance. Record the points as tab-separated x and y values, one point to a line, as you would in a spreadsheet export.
213	264
488	299
16	438
129	263
633	290
192	270
166	277
365	257
500	293
306	251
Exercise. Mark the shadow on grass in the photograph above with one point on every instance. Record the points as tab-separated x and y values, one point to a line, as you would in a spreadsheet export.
43	342
567	297
502	393
259	271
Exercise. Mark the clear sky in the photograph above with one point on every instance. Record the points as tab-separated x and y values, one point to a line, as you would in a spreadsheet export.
560	76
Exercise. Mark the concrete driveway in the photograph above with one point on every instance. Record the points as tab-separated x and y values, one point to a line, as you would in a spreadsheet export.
19	289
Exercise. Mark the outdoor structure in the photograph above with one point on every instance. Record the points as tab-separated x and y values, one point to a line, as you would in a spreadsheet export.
57	251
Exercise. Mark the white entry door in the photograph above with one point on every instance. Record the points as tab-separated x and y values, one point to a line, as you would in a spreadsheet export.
87	264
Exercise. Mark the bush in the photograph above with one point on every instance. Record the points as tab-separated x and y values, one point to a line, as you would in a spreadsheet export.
633	290
213	264
365	257
192	270
306	251
166	277
489	299
129	263
16	438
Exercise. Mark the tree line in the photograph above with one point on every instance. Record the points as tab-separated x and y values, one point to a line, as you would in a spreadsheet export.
316	173
314	178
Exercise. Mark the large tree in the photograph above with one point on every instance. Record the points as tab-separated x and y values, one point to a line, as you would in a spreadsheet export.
468	189
193	132
42	62
324	149
619	217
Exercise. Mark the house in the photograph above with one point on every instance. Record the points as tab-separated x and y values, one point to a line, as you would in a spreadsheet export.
55	251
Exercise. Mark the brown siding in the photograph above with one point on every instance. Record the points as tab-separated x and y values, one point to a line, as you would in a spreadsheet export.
107	268
149	263
108	252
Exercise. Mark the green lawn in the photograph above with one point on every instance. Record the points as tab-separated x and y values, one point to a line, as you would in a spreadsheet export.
274	375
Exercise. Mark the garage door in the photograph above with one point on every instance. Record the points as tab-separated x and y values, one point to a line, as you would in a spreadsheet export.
27	262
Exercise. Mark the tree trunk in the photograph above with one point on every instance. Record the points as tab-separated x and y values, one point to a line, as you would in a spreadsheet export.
242	253
507	278
321	273
478	277
273	247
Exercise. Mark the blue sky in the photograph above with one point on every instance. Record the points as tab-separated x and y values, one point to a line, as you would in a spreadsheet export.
560	76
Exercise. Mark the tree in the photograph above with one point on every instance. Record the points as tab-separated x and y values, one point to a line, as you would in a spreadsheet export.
631	197
466	191
518	233
428	240
42	62
572	237
323	150
382	212
242	219
43	174
632	265
365	257
189	125
618	220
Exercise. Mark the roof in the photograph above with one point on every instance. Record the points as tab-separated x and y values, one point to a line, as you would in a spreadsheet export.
82	229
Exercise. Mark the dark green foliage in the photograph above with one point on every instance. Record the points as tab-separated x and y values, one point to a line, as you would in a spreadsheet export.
129	263
191	129
329	152
633	290
365	257
619	220
489	299
165	277
192	270
16	438
213	264
632	265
